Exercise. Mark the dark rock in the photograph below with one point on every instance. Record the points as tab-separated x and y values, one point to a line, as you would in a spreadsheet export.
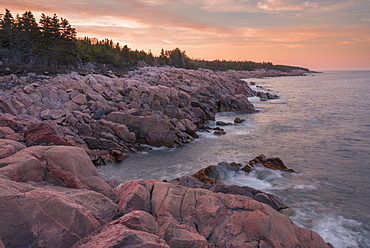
219	132
98	114
7	71
270	163
117	155
222	123
238	120
264	96
216	173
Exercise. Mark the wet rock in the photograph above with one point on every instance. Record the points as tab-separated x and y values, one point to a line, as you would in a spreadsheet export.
219	132
270	163
118	155
222	123
216	173
238	120
264	96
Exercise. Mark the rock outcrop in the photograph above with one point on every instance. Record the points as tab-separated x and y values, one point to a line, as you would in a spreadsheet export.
190	216
270	163
109	117
52	196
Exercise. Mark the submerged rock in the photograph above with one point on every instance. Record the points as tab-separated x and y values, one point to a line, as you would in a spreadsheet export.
238	120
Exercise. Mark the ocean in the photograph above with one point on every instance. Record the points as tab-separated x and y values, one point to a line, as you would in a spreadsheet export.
320	127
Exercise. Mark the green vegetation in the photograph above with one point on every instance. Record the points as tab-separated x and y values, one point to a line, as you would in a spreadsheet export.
52	43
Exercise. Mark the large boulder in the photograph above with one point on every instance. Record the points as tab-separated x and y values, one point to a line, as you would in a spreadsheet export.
51	197
153	130
42	215
198	217
61	165
228	103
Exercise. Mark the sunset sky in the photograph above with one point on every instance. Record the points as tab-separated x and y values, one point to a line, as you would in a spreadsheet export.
320	35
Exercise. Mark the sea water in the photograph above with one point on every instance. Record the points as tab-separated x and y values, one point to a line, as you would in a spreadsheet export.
320	127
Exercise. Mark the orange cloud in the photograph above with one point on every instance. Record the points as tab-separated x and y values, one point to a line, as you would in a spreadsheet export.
285	5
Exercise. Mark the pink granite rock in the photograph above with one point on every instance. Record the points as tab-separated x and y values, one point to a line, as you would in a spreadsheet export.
9	147
60	165
118	235
196	217
37	214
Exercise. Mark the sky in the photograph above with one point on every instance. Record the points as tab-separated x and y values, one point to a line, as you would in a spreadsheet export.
317	34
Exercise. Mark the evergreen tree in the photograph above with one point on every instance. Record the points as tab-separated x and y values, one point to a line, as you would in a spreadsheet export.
163	58
26	35
7	32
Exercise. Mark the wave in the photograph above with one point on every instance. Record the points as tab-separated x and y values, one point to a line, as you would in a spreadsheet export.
337	230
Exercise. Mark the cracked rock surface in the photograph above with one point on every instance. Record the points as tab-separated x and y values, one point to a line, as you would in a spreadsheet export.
52	196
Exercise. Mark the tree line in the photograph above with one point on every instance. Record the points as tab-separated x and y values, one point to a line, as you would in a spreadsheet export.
52	42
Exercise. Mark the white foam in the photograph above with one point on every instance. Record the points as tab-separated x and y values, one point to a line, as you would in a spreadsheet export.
305	186
250	180
254	99
340	232
208	135
241	132
154	148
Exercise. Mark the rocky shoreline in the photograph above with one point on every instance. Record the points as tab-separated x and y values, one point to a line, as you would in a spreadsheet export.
53	130
53	196
111	117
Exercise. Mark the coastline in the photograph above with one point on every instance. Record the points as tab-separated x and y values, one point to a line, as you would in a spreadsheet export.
152	106
108	116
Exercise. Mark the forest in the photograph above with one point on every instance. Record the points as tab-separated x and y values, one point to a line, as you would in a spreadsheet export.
52	44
